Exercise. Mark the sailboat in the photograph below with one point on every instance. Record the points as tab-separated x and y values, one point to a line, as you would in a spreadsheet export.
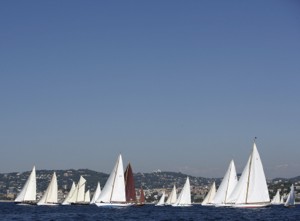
226	187
172	197
141	201
210	196
79	192
161	201
28	192
50	196
96	194
281	199
129	185
184	198
290	201
70	198
251	190
87	197
276	199
113	193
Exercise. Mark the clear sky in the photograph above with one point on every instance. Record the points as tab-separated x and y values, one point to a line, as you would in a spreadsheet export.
172	85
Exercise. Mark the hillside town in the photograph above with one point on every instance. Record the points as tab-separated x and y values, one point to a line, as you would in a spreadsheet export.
153	183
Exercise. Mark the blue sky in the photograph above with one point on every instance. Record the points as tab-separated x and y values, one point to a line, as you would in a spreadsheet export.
172	85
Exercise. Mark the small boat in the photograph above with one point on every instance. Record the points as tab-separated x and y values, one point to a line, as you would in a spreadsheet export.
113	193
50	196
80	193
141	201
27	196
70	198
251	191
226	187
290	201
96	194
172	197
276	199
208	200
161	201
184	198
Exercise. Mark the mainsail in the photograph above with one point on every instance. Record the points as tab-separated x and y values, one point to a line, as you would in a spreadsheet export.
96	194
80	190
276	198
172	197
210	195
184	198
114	190
161	201
28	192
70	198
50	196
87	197
290	201
129	185
251	190
227	185
142	196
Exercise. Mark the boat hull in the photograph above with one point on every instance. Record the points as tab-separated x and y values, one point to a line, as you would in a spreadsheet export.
182	205
26	203
114	204
222	205
48	204
254	205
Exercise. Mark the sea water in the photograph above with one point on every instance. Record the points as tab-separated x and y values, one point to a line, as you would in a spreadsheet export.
10	211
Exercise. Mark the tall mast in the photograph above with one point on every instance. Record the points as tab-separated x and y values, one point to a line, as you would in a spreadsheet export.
249	172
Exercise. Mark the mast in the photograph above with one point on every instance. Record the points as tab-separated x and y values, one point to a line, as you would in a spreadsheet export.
114	179
249	172
228	183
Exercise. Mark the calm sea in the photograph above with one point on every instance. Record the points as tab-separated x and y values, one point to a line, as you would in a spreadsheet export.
10	211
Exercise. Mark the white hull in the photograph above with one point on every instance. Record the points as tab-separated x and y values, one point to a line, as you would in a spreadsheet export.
222	205
208	204
252	205
114	204
47	204
182	205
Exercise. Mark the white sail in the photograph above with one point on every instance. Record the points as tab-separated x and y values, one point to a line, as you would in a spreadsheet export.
161	201
74	195
281	200
28	192
80	190
290	201
50	196
210	195
87	196
172	197
184	198
68	200
276	198
96	194
251	190
227	185
114	190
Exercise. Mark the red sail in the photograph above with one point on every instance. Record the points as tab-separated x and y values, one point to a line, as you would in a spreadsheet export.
129	185
142	196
